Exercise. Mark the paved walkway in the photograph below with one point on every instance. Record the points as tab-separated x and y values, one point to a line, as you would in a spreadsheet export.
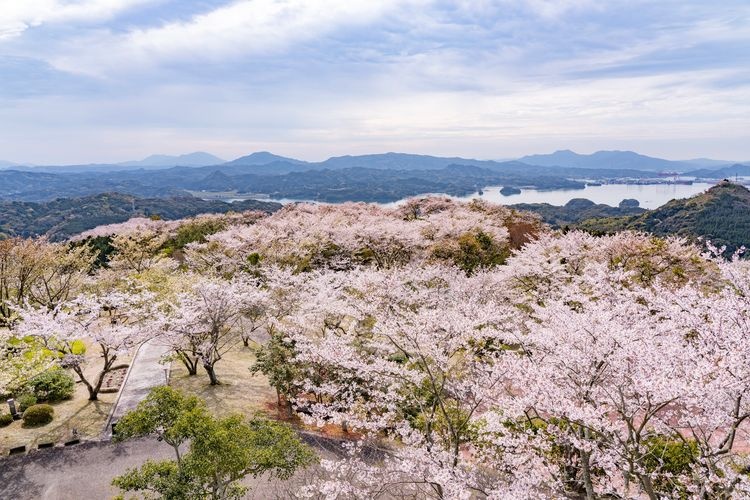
144	374
82	472
85	471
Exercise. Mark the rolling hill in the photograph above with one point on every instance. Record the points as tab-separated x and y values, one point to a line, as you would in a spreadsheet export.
722	173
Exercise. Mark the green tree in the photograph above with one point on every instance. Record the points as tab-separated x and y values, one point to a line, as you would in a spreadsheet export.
21	359
275	360
165	413
222	451
473	251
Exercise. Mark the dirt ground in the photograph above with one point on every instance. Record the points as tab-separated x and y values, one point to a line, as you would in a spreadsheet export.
239	392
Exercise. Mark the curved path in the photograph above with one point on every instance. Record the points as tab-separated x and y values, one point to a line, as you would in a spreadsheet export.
144	374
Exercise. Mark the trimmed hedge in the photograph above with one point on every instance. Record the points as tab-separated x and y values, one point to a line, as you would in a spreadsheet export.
26	400
6	419
38	415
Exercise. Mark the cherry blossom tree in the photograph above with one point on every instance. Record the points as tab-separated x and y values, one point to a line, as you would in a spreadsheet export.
112	322
39	272
282	291
611	381
137	251
202	325
410	355
339	237
715	324
601	379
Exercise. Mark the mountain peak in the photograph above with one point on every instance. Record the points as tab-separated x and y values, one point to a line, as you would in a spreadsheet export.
727	186
196	159
262	158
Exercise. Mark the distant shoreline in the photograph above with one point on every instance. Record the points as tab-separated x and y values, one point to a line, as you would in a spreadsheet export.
649	194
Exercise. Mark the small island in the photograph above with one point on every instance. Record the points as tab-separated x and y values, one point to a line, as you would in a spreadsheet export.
509	190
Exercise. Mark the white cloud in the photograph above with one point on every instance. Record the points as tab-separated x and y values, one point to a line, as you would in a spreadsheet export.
241	28
552	9
491	78
16	16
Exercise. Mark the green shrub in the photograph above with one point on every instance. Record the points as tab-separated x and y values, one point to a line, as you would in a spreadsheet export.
38	415
668	458
193	231
5	419
26	400
53	385
473	251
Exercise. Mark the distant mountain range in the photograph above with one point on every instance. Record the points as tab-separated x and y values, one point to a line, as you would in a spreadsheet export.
384	178
377	177
611	160
726	172
619	159
709	163
266	163
152	162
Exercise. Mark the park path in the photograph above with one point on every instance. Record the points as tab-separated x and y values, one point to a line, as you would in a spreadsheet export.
144	374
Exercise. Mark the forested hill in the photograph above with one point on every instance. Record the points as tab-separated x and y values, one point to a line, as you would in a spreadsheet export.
64	217
721	215
579	209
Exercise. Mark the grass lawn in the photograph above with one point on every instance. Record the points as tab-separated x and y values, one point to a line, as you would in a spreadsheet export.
239	392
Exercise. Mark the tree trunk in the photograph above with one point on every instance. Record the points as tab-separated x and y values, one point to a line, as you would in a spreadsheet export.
209	367
95	395
648	486
586	470
191	363
284	403
93	391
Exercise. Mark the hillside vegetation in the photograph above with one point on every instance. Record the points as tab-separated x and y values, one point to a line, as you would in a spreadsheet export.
579	209
65	217
721	215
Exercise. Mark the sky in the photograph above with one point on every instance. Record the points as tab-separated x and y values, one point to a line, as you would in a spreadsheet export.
113	80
